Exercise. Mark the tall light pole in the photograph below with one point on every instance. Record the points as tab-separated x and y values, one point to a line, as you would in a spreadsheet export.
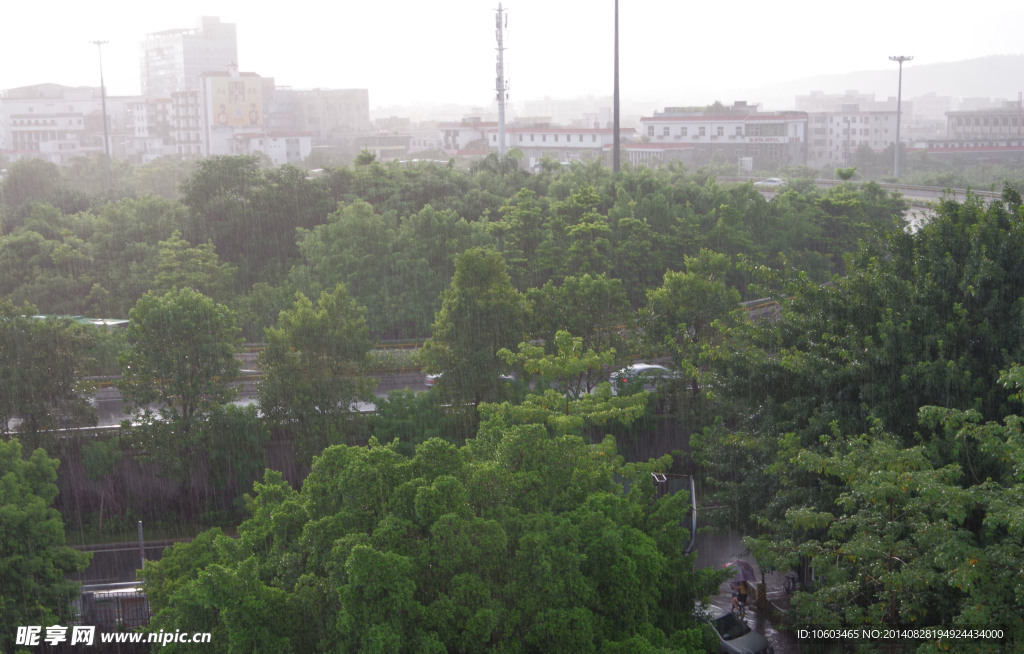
615	97
500	86
103	99
899	98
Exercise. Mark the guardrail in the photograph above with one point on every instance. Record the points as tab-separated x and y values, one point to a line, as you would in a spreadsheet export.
904	189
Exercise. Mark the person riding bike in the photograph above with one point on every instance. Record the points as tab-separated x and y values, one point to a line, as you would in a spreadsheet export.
739	594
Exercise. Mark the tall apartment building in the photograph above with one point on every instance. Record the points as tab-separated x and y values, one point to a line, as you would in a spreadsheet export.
173	60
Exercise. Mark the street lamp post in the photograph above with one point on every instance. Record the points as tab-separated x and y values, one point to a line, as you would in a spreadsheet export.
899	97
103	99
615	98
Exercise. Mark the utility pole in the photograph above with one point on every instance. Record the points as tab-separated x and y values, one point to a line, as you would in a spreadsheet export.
899	99
103	99
499	84
615	98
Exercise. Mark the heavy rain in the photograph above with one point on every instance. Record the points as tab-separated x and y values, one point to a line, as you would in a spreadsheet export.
615	363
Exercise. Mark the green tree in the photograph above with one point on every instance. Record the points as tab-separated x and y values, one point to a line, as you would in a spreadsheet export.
882	547
683	315
219	196
480	314
516	542
920	321
365	158
846	174
594	308
518	234
181	358
27	180
183	266
34	561
572	370
42	362
576	402
314	368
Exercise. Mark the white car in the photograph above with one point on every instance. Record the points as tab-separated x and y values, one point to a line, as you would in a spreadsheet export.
431	380
648	376
734	635
771	182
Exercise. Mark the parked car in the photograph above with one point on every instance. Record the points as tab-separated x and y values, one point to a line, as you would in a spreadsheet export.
646	376
771	182
734	635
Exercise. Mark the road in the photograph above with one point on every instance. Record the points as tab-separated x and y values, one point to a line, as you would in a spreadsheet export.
714	551
110	408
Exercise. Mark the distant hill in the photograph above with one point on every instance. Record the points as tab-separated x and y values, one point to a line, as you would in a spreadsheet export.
1000	76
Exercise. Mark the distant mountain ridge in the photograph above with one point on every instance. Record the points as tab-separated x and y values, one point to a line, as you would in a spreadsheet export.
997	76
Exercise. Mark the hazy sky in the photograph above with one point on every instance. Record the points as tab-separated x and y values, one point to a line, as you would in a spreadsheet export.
408	52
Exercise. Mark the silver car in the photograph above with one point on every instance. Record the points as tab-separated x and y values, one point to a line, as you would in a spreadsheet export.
734	635
648	376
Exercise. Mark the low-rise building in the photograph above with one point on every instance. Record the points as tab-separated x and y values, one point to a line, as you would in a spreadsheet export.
557	142
989	124
777	138
58	123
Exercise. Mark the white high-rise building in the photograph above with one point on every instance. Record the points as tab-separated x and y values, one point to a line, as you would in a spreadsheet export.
172	60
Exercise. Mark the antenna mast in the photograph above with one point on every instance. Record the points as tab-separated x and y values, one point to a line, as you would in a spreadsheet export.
499	85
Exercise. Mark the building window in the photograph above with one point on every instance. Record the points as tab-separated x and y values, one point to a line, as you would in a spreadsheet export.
520	138
703	131
739	131
556	138
650	130
720	131
593	138
544	137
531	137
664	131
682	131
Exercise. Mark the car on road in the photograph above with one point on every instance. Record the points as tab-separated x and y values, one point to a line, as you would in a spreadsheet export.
734	635
771	182
646	376
431	379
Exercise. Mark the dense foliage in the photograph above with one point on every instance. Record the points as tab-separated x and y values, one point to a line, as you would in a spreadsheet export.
42	362
515	542
34	560
857	416
313	369
868	436
250	237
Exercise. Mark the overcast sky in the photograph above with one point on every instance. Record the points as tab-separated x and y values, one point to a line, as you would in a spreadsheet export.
409	52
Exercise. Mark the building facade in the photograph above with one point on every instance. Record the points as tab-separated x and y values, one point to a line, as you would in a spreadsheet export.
727	134
58	123
331	114
230	109
996	124
564	144
173	60
835	136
